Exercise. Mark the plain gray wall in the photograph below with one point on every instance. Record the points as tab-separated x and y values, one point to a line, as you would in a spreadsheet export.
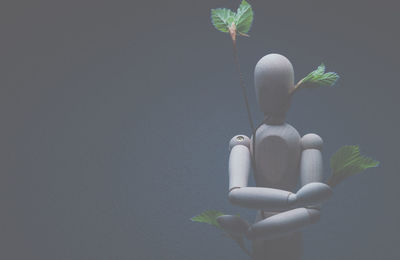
116	117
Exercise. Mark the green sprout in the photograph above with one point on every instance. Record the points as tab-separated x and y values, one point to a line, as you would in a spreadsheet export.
348	161
234	23
317	78
208	217
227	21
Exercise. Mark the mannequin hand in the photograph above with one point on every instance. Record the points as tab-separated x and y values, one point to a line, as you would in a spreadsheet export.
312	194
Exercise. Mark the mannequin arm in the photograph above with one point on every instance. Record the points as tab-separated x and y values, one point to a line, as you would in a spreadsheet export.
239	166
307	199
313	191
251	197
262	198
283	223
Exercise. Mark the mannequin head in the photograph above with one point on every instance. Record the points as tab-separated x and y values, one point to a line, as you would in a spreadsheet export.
274	78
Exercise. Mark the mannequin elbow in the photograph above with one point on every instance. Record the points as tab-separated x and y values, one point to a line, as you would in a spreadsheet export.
313	194
233	196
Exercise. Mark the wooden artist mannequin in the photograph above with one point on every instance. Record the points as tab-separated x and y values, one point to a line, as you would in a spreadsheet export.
281	158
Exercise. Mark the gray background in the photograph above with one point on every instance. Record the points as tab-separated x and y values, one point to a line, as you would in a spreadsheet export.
116	116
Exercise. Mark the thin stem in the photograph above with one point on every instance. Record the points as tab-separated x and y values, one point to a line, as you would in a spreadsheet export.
242	85
296	87
235	54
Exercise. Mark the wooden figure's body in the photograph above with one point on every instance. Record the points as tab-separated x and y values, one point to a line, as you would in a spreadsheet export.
281	159
277	156
277	159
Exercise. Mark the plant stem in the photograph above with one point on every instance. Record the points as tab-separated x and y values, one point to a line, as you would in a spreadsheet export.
242	85
232	30
296	87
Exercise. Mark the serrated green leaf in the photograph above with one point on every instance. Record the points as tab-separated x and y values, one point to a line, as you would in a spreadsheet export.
244	17
348	161
222	18
318	78
209	217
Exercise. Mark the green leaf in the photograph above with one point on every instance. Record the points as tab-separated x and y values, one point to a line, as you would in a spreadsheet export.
222	18
318	78
209	217
244	17
348	161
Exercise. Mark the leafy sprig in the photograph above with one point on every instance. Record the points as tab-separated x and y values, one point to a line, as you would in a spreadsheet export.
348	161
317	78
239	22
208	217
228	21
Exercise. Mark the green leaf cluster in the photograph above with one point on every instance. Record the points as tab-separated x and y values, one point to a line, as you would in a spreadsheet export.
209	217
348	161
318	78
223	18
